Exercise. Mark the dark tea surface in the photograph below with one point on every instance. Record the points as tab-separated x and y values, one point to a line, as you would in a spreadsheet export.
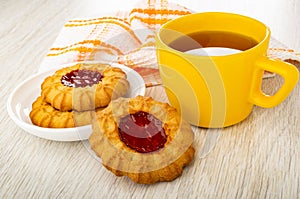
213	39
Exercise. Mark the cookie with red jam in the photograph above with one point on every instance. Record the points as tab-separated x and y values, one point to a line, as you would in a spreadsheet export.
143	139
84	87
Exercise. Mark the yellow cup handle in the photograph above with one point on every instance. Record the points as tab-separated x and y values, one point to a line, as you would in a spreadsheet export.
287	71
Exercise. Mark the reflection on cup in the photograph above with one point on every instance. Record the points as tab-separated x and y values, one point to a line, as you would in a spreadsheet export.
212	51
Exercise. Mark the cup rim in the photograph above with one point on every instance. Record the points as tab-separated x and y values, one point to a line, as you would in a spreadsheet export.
267	35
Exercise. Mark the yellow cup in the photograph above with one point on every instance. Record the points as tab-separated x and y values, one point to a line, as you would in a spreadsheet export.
220	90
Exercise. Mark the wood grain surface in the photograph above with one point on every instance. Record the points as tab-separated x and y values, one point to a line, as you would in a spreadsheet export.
257	158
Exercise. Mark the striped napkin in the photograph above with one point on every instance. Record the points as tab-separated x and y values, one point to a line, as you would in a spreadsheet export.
126	37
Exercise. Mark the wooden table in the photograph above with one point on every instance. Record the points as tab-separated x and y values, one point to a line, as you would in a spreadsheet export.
257	158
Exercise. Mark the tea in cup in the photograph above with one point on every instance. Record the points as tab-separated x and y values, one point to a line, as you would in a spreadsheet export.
212	65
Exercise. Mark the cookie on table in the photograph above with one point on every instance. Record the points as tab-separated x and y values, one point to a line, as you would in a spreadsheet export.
84	86
44	115
143	139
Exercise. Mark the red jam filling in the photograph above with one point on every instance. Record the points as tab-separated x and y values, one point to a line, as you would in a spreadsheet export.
142	132
81	78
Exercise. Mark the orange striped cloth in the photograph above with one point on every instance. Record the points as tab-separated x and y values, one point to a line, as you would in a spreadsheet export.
125	37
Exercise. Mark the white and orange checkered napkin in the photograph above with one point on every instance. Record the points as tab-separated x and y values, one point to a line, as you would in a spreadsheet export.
125	37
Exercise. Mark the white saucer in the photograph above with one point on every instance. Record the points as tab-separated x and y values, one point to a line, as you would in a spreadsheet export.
20	101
